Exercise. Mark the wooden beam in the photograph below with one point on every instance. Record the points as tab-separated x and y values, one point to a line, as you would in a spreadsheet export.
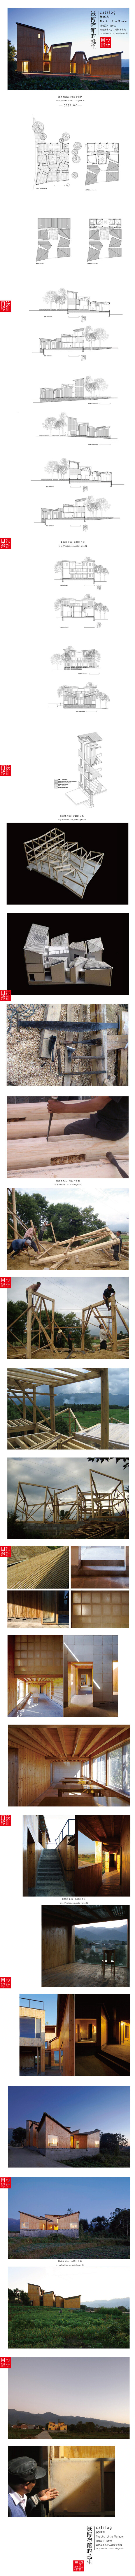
52	1406
104	1409
114	1321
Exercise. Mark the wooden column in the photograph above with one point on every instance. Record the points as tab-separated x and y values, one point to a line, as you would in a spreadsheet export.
34	1409
69	1422
45	1500
114	1321
24	1415
124	1500
52	1331
91	1492
77	1504
104	1409
14	1211
29	1323
83	1328
52	1406
16	1500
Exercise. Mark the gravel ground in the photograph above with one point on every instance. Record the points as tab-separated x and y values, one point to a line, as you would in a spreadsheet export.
24	1064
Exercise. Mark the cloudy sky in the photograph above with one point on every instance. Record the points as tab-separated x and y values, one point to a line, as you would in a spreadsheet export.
36	1474
70	1295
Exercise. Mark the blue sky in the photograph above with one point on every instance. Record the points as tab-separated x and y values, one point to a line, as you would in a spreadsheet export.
92	2105
96	2385
57	23
41	2001
91	2196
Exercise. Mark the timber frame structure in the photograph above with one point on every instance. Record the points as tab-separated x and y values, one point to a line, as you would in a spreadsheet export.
39	1323
105	1512
44	1434
69	863
77	1252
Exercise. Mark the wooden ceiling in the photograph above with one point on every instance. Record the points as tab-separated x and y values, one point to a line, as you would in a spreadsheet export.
67	1743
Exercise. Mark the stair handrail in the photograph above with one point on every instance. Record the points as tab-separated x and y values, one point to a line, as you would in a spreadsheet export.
59	1838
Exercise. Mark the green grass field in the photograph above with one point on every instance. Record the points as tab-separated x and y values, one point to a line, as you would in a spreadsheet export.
44	2328
89	2246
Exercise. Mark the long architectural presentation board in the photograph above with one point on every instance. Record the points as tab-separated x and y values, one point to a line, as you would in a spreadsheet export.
67	945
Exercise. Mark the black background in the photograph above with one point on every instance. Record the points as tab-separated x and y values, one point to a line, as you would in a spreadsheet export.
113	879
112	928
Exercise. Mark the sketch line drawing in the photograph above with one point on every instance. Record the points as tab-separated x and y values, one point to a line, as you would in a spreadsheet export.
94	609
74	472
84	510
82	386
105	233
70	427
82	339
90	764
67	300
91	697
72	661
102	163
85	570
53	235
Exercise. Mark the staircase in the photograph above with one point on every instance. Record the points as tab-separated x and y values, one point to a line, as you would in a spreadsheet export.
50	1877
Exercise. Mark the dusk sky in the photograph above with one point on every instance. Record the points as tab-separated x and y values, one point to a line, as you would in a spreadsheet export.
63	23
92	2105
96	2386
96	2198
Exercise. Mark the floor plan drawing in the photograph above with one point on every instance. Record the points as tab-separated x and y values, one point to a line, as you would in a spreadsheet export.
52	159
55	236
105	233
102	163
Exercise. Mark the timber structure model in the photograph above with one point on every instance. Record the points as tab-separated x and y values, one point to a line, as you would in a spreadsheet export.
35	1323
44	1136
63	961
53	854
44	1413
96	1246
86	1041
100	1585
